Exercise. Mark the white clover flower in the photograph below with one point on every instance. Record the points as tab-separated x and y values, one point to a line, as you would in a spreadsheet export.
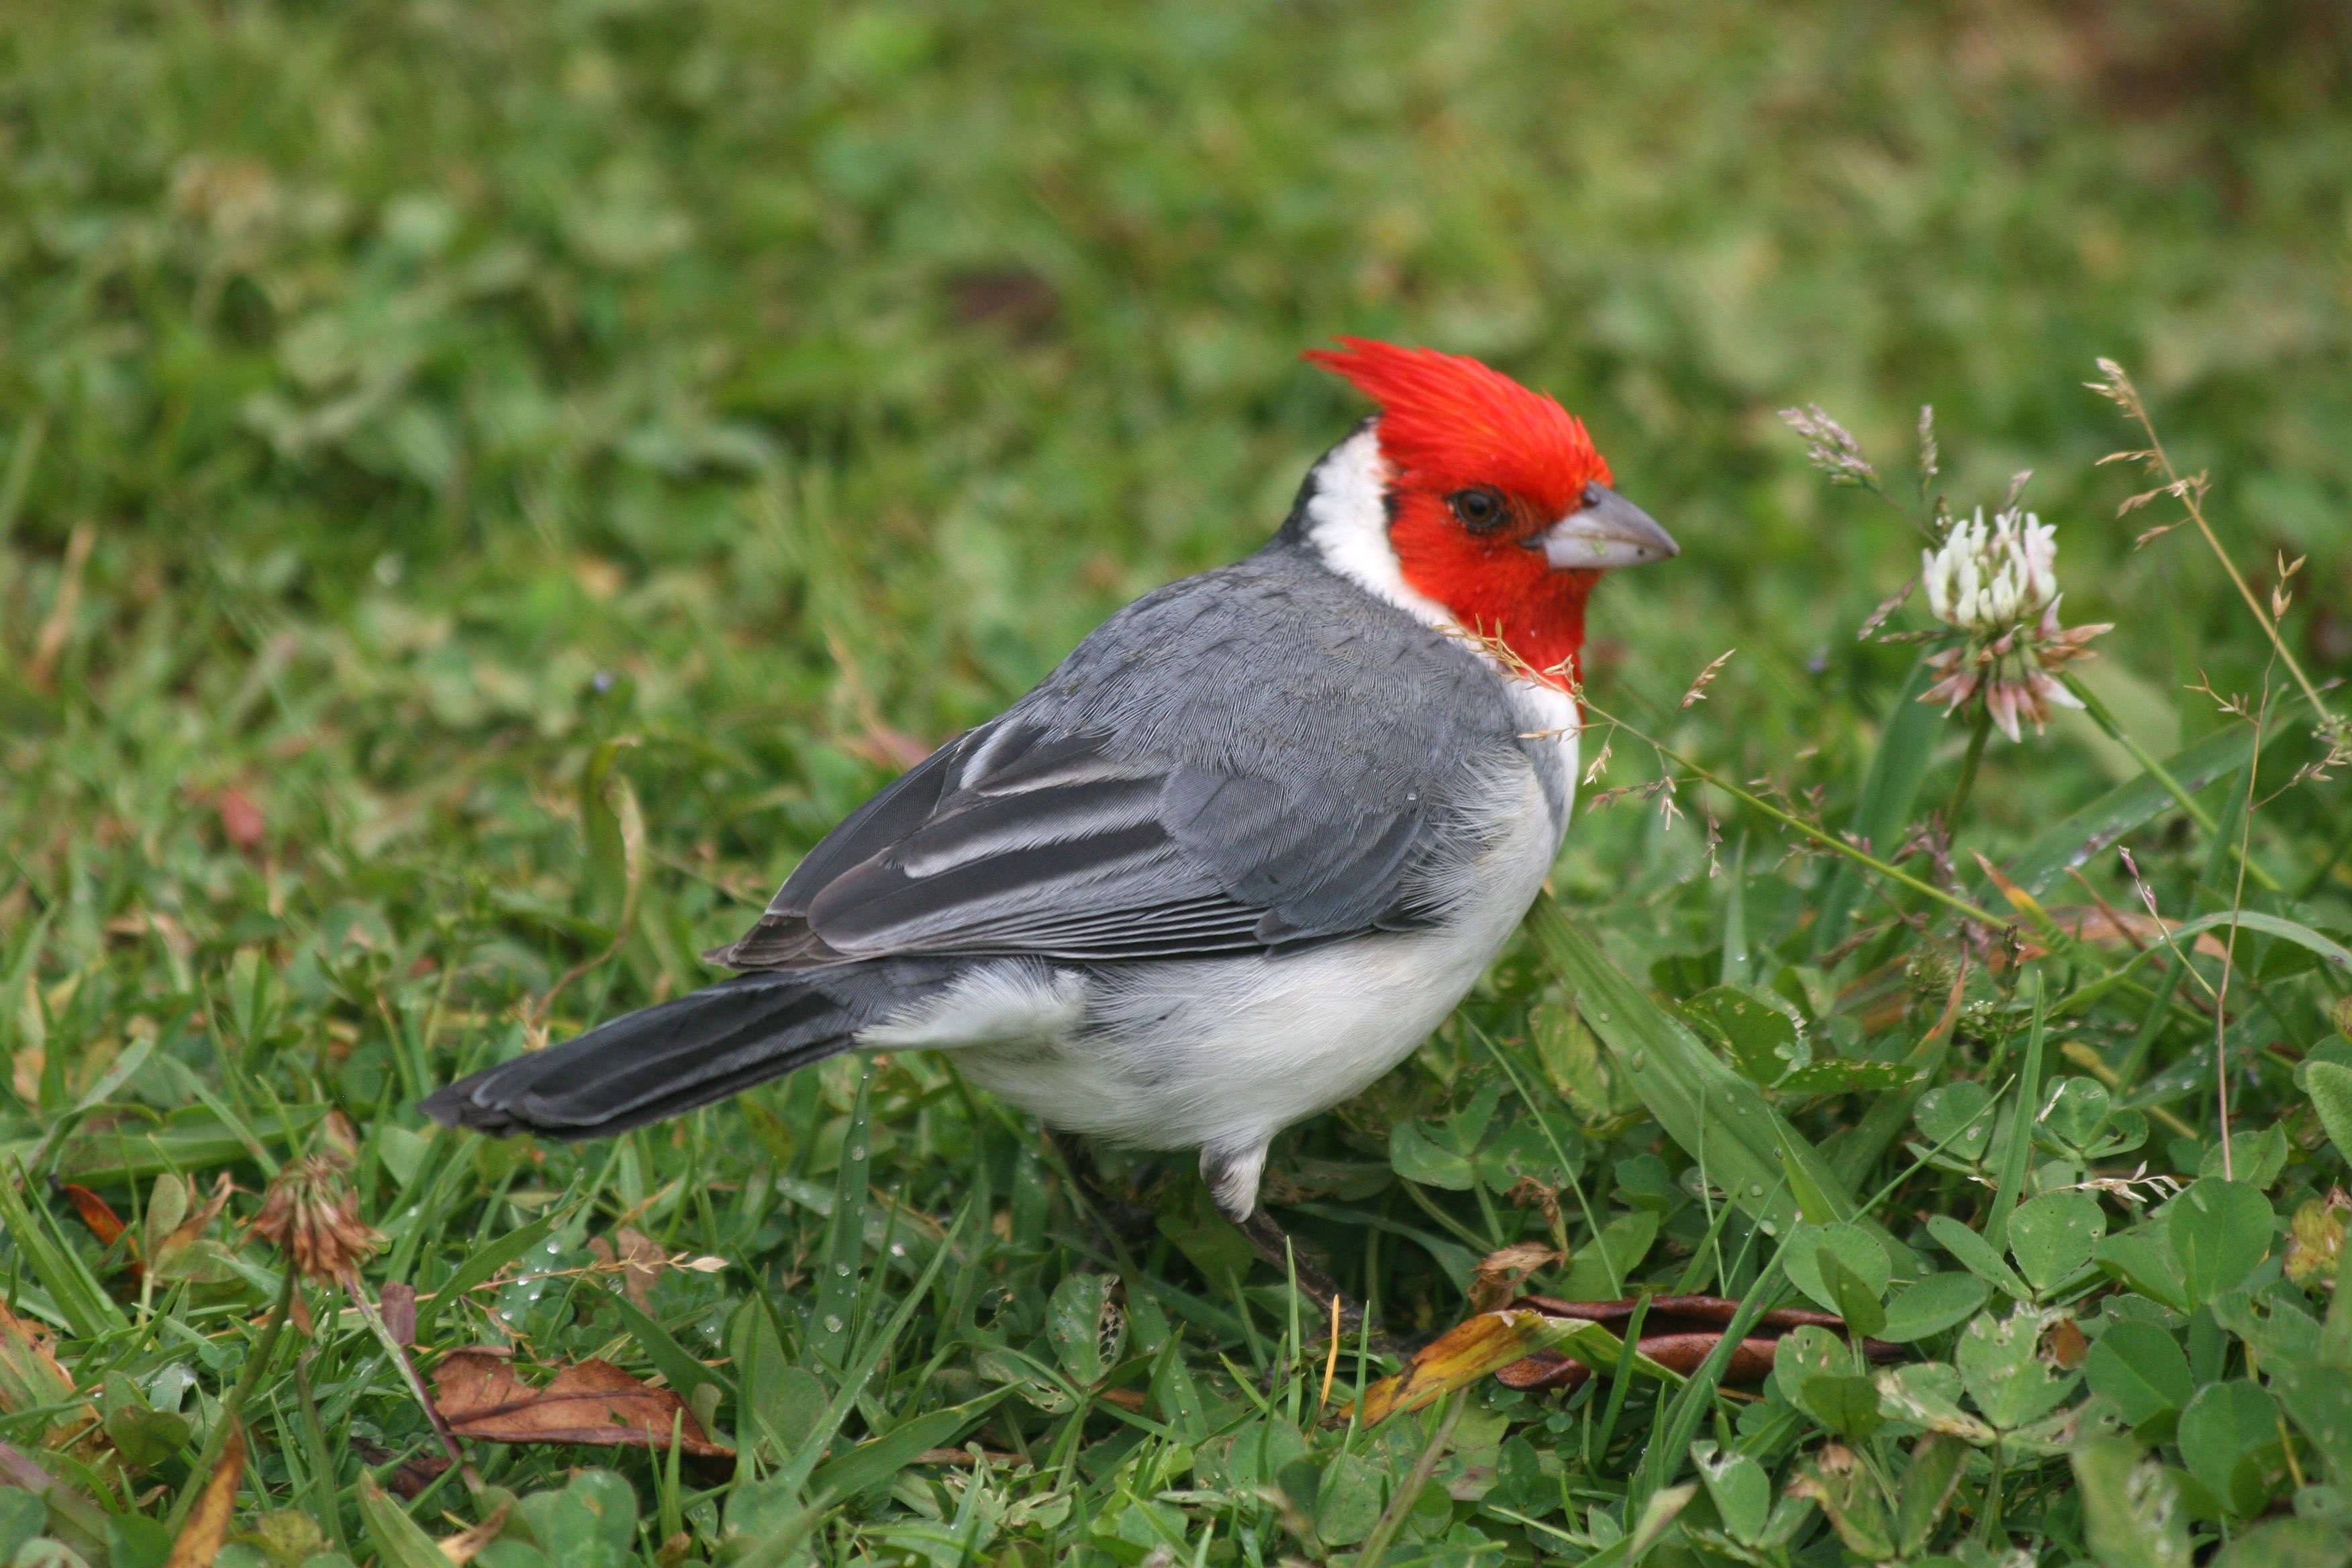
1997	585
1988	579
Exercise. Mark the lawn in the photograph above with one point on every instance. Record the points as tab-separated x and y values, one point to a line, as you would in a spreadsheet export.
484	488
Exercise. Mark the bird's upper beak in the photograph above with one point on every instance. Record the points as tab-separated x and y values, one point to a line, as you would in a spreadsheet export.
1606	530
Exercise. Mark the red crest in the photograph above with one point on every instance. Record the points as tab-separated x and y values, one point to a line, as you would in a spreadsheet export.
1447	420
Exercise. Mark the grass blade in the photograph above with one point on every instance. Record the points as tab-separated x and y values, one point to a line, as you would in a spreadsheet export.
1663	1457
2022	1115
2099	826
399	1540
796	1470
479	1270
678	1366
878	1458
1718	1116
89	1311
836	1287
1907	746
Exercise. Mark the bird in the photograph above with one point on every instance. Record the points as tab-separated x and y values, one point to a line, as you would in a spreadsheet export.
1235	858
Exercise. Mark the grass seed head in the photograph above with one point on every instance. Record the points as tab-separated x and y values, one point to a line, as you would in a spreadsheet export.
1830	446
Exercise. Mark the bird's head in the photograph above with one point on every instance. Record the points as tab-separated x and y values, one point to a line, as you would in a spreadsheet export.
1471	499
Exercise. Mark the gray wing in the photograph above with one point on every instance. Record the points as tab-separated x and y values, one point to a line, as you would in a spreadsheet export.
1161	796
1054	846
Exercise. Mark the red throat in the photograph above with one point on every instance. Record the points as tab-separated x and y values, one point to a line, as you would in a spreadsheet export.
1449	425
1495	590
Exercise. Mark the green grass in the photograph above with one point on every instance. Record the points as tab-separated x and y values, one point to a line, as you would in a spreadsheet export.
404	405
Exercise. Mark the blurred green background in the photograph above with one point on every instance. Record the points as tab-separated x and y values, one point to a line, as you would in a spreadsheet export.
816	375
398	399
401	401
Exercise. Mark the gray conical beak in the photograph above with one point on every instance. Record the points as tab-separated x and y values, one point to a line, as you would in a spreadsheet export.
1607	531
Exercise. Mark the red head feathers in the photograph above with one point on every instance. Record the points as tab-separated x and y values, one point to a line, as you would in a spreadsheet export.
1480	467
1448	421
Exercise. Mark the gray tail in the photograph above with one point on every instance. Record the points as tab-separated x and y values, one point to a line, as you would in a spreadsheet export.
664	1059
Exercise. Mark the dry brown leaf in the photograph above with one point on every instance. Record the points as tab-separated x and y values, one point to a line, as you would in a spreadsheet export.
408	1480
596	1402
24	1069
32	1378
103	1223
2021	900
199	1539
95	1212
397	1307
1465	1353
106	1226
1500	1273
49	642
1751	1360
467	1544
2119	928
241	821
1515	1344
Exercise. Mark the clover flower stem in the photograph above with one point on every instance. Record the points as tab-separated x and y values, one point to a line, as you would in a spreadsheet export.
2106	720
2059	937
407	1365
1827	840
233	1404
1976	737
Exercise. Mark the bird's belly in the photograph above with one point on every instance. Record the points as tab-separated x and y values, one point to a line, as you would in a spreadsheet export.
1220	1051
1228	1051
1231	1057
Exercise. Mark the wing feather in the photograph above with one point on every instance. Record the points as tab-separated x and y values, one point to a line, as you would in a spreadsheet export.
1180	786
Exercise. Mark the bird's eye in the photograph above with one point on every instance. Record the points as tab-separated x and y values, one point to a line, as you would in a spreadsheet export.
1479	509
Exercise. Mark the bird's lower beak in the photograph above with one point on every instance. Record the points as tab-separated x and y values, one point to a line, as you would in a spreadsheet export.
1607	531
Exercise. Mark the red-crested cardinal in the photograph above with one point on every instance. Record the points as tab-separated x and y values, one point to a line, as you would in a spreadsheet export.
1229	863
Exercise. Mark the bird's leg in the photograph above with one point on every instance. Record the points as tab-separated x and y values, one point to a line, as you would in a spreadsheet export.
1274	1244
1118	1217
1232	1178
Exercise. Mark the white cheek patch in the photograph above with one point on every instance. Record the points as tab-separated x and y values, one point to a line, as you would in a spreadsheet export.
1347	524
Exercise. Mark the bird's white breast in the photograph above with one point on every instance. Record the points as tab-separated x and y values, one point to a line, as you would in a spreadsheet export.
1225	1052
